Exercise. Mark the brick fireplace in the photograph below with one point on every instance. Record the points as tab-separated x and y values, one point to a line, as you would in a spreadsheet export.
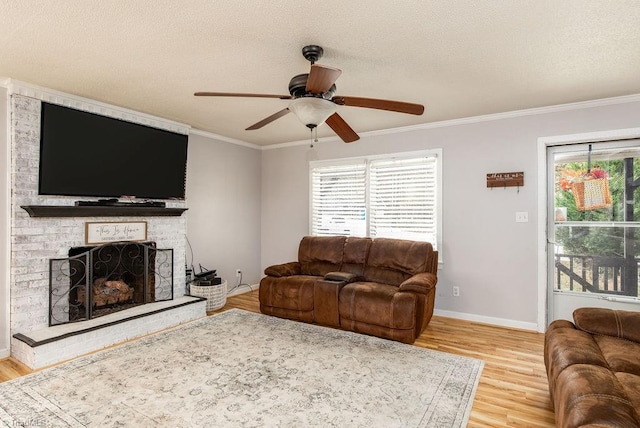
36	240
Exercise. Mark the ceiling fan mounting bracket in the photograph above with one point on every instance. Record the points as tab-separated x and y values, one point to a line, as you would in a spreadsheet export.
312	53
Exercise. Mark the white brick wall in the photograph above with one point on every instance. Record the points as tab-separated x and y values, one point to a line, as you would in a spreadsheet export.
36	240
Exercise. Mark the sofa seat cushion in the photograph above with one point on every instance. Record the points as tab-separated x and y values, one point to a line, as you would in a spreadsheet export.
592	395
377	304
621	355
631	385
291	292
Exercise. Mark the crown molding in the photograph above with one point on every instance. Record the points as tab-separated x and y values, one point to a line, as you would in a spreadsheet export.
483	118
56	97
213	136
16	87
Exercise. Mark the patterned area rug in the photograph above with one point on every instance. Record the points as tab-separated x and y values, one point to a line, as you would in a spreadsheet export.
244	369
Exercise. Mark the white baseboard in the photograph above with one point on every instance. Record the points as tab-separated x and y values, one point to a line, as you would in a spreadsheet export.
244	288
5	353
502	322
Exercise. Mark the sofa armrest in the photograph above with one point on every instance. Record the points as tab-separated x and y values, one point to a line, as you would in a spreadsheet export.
284	269
608	322
342	277
420	283
560	324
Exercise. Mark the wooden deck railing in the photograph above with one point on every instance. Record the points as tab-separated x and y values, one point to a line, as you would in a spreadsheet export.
597	274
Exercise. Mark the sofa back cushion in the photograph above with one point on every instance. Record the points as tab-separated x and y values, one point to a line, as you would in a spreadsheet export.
391	261
319	255
609	322
355	255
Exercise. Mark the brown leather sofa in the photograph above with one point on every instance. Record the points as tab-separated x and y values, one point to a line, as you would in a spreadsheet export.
382	287
593	367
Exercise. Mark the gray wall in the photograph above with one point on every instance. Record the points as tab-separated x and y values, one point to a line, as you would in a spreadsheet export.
223	196
249	208
486	253
4	226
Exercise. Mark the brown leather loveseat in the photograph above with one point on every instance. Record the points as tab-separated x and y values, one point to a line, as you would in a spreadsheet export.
593	367
382	287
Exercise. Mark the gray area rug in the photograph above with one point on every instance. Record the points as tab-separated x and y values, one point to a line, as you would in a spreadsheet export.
244	369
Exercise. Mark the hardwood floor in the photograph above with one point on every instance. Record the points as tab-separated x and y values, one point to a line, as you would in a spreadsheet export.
513	390
11	369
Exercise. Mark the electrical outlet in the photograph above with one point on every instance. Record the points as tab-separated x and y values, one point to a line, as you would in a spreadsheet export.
456	291
238	273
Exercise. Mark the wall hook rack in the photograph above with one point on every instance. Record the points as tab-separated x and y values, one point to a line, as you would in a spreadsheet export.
505	179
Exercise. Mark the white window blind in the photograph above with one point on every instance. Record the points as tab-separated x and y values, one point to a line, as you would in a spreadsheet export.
338	200
403	199
382	196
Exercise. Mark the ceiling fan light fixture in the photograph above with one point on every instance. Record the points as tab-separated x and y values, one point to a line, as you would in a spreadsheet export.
312	111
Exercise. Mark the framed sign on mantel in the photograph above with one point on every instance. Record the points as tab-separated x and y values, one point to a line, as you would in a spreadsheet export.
102	233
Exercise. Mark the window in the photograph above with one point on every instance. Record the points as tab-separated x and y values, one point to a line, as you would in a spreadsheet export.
338	201
381	196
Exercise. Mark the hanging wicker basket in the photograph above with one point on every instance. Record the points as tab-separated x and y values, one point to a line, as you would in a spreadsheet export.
591	193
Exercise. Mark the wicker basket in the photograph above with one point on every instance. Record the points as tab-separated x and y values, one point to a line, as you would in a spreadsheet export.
591	194
216	295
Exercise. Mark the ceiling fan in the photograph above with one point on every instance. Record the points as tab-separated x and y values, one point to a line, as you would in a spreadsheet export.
313	100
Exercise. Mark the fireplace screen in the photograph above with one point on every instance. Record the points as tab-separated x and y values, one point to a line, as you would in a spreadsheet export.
96	281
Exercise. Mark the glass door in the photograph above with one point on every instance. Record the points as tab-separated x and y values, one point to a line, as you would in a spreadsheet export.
594	227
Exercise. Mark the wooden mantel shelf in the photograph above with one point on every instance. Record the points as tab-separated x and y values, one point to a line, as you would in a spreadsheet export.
100	211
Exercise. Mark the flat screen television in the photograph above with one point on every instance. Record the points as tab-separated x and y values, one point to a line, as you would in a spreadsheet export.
85	154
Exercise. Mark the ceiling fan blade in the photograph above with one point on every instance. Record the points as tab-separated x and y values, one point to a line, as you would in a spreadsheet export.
321	78
233	94
268	120
342	128
398	106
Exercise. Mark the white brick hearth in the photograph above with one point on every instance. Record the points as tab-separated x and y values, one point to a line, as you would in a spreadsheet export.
34	241
51	345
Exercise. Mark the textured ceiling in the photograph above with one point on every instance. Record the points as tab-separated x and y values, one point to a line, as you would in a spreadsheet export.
458	58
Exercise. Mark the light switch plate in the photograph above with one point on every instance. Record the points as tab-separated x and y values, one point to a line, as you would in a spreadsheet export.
522	217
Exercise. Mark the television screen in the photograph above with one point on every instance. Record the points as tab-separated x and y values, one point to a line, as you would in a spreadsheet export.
85	154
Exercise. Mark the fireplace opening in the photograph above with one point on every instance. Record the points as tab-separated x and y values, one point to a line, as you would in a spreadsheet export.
99	280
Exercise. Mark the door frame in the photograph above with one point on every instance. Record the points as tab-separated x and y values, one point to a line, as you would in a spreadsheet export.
543	143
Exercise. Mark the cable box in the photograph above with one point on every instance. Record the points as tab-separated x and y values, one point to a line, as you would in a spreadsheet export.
207	282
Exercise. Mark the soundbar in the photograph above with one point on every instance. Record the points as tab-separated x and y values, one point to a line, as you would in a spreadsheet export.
116	203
